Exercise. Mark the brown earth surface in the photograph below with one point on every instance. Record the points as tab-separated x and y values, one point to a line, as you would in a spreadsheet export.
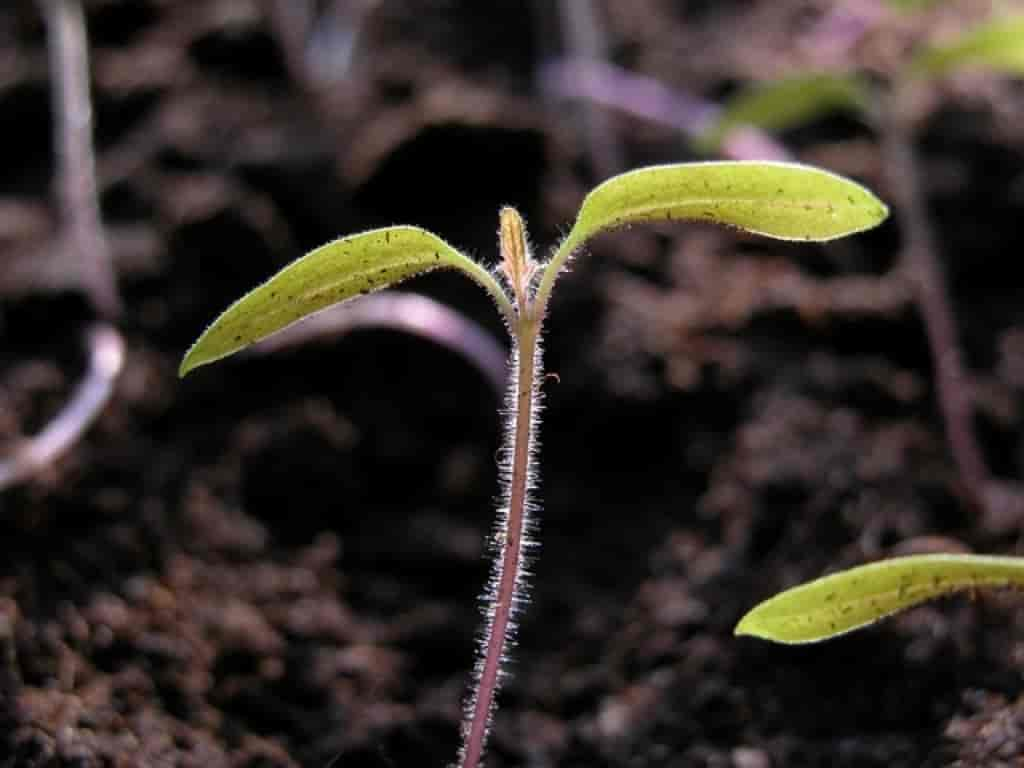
276	562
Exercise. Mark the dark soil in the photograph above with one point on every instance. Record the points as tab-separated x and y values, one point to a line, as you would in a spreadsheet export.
276	562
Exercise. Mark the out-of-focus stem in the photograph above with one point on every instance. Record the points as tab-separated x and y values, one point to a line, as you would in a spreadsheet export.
69	68
106	358
610	86
924	271
585	37
400	311
637	95
83	234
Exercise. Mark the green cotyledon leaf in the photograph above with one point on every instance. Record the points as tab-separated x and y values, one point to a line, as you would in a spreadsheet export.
340	270
787	201
996	45
842	602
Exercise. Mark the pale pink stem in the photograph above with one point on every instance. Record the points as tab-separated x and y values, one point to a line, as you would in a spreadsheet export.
106	358
637	95
69	70
585	37
503	602
920	264
400	311
644	97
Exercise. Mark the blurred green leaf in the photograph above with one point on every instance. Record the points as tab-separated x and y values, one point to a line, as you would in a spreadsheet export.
997	45
783	104
912	5
347	267
848	600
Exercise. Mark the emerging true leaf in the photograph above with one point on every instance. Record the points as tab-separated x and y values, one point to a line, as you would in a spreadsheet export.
997	45
347	267
783	104
848	600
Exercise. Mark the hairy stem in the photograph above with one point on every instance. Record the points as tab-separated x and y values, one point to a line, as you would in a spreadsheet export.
503	601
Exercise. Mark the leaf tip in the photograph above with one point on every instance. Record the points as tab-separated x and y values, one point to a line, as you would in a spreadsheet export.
201	353
748	626
188	363
881	210
875	211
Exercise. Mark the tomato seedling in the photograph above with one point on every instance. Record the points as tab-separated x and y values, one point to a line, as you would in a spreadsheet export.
779	200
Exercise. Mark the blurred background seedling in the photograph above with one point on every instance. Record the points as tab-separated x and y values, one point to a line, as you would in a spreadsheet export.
895	110
85	263
845	601
82	243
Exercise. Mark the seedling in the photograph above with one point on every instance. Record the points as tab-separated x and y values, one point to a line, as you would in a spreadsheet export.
783	201
786	103
846	601
995	46
83	238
